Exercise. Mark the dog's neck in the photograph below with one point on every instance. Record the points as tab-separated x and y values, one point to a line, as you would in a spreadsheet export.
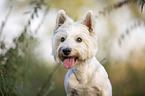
84	70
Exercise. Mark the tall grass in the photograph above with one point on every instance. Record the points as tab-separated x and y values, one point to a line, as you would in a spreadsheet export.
21	74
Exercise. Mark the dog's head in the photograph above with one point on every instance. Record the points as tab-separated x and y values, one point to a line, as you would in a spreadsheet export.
74	42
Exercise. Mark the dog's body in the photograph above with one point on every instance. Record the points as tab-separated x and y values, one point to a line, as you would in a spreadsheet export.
88	79
75	45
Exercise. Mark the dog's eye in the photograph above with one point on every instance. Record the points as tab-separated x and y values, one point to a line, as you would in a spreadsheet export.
62	39
79	39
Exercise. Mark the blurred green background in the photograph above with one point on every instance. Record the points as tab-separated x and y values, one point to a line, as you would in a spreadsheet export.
27	67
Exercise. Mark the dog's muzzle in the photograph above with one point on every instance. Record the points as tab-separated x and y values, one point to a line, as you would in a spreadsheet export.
67	58
66	51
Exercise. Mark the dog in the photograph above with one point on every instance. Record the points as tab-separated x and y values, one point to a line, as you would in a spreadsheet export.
74	44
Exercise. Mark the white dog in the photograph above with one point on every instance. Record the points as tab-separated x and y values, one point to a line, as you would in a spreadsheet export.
75	46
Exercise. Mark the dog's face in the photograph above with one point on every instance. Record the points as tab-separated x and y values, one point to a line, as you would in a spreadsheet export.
73	42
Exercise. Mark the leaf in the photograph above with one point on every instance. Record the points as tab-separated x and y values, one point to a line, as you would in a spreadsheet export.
27	12
33	2
142	7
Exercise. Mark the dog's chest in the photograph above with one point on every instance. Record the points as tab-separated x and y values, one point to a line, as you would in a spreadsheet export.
83	85
86	80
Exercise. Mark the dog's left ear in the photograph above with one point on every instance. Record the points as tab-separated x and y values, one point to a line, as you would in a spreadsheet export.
88	21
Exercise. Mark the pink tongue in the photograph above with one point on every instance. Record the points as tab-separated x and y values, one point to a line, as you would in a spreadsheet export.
69	62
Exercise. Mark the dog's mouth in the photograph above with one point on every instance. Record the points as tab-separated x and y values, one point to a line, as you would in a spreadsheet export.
69	62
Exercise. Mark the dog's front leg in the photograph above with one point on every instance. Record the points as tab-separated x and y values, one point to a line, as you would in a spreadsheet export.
72	93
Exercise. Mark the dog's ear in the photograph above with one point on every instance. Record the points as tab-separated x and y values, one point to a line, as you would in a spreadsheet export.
88	21
61	18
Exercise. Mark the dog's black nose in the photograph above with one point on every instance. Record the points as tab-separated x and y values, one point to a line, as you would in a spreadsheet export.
66	51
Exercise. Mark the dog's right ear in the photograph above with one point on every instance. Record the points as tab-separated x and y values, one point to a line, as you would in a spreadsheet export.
62	18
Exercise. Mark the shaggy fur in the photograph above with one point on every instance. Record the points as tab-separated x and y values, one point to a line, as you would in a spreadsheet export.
86	76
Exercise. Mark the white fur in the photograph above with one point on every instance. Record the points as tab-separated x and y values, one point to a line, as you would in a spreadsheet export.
84	77
88	77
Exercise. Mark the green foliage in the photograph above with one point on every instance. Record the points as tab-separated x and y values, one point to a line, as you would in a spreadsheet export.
21	74
9	73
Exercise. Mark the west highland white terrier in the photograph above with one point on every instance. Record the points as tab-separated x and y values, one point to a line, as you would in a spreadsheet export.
74	44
